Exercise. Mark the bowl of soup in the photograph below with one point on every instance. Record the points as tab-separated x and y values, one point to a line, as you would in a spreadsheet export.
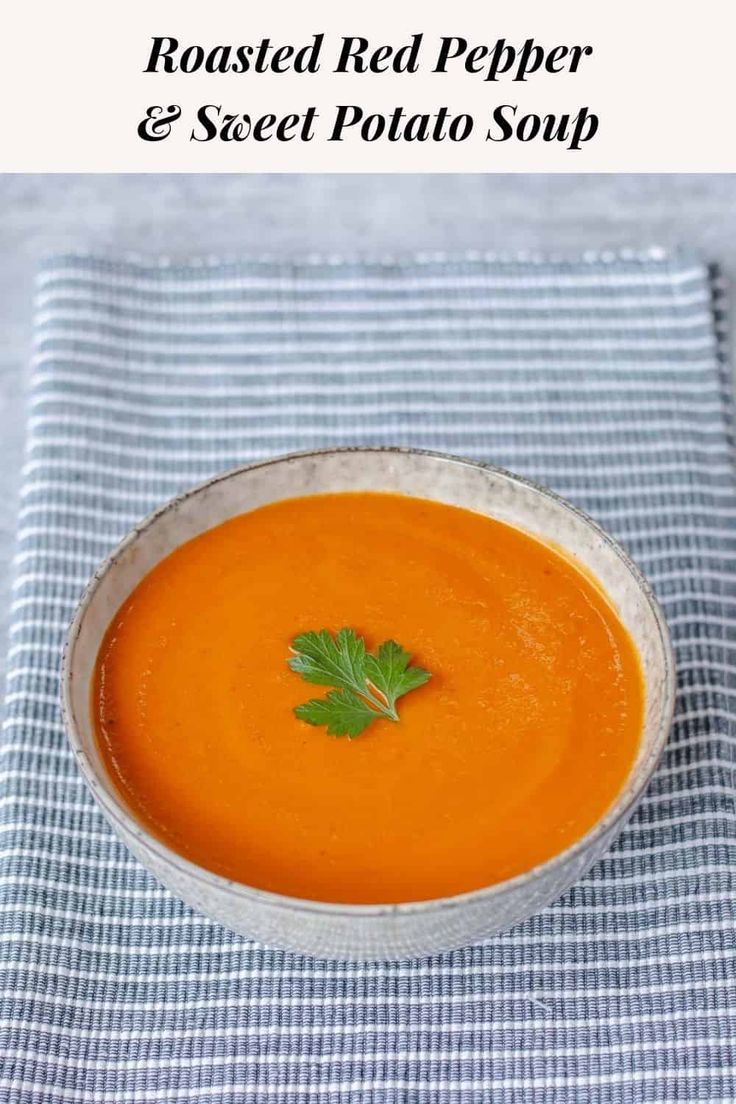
368	703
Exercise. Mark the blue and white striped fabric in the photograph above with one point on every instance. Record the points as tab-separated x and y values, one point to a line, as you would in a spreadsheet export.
600	377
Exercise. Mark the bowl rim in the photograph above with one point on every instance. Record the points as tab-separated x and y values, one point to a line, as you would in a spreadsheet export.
127	824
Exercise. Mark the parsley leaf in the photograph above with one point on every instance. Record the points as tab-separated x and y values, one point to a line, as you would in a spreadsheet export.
328	661
389	671
344	713
366	685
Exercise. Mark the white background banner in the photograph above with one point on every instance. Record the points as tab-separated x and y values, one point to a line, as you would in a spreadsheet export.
524	85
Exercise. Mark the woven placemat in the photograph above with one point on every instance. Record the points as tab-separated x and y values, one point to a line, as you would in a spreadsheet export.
600	377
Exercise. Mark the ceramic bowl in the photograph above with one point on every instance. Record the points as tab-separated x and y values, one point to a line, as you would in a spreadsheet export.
368	932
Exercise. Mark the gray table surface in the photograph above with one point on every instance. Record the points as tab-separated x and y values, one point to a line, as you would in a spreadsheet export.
186	216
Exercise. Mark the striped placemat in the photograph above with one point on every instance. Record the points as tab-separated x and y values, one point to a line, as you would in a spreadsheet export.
600	377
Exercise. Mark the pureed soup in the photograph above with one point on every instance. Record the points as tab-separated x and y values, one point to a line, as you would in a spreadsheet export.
511	749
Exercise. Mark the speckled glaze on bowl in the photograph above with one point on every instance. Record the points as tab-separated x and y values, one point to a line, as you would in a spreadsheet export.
368	932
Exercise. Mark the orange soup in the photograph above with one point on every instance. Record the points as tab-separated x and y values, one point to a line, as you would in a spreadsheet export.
519	742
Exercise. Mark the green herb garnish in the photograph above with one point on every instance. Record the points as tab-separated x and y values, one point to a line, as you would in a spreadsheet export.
366	685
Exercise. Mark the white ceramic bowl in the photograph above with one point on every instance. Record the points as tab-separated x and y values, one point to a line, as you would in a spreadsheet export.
366	932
